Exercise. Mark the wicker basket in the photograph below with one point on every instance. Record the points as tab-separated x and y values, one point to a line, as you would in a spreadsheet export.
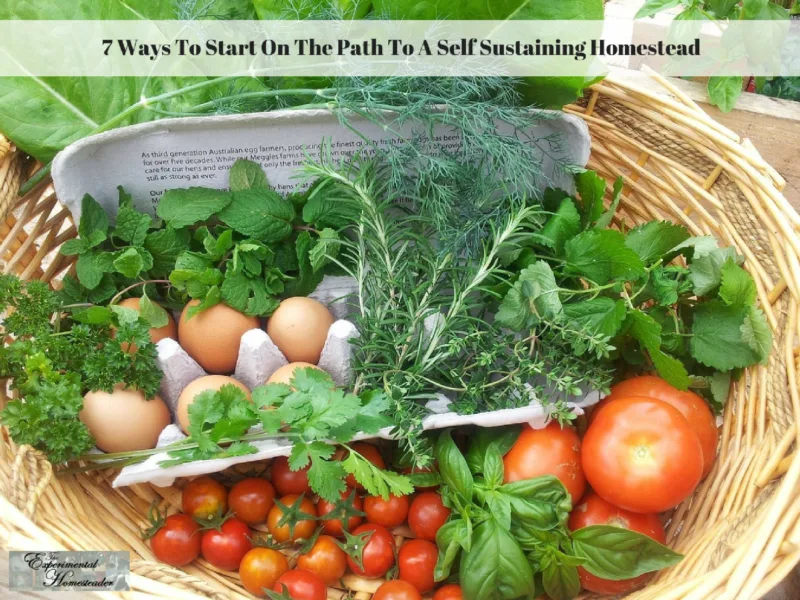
740	531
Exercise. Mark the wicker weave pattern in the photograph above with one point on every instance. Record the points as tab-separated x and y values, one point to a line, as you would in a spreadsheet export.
740	532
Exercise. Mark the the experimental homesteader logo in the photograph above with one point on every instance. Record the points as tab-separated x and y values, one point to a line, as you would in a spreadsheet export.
71	571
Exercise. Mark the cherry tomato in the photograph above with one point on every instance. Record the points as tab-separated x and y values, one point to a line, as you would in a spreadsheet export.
225	548
593	510
368	451
690	405
378	554
177	542
334	526
303	528
301	585
260	569
550	451
451	591
427	515
251	500
642	455
287	481
417	560
325	559
397	590
203	498
389	513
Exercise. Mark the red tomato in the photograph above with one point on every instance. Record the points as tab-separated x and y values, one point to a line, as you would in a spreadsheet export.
203	498
690	405
303	528
451	591
261	568
301	585
427	515
251	500
225	548
389	513
325	559
642	455
397	590
417	560
550	451
378	554
368	451
287	481
177	542
593	510
334	526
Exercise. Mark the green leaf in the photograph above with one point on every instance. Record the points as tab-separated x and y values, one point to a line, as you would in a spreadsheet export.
655	239
720	387
561	226
606	218
307	280
599	316
651	7
696	247
705	272
183	207
453	466
259	213
125	316
129	263
324	249
722	8
153	313
165	246
493	466
212	298
93	226
723	336
247	175
737	286
448	539
131	225
647	331
324	208
377	482
670	369
91	267
503	438
561	581
724	91
540	503
495	566
73	247
533	298
591	189
616	553
94	315
601	256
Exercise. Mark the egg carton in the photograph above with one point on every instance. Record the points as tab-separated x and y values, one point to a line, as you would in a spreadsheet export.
259	357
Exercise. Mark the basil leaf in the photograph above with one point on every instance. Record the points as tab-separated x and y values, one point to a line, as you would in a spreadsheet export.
495	566
561	581
503	438
449	538
540	503
493	467
617	553
453	466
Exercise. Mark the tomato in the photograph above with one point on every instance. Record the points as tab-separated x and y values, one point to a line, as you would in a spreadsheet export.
642	455
325	559
334	526
550	451
225	547
593	510
301	585
368	451
203	498
251	500
690	405
389	513
451	591
417	559
287	481
303	528
177	542
397	590
378	555
427	515
261	568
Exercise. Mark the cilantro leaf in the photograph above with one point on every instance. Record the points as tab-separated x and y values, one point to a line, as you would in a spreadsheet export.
728	337
326	477
183	207
561	226
533	298
259	213
736	285
377	482
601	255
246	175
653	240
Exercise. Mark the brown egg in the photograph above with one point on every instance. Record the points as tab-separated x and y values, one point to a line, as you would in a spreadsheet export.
212	336
299	328
209	382
170	330
284	373
124	420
